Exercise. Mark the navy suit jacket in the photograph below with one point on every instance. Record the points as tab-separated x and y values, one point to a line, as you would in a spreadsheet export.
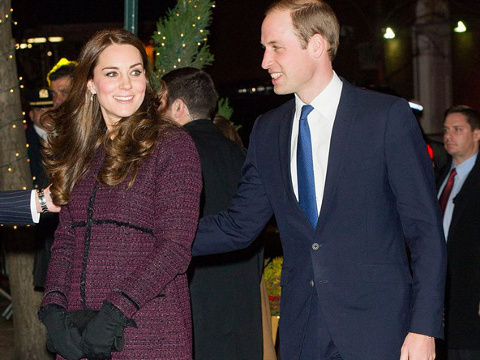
379	196
15	207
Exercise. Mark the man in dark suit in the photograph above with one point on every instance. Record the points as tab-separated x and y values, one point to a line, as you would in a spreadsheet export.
18	206
459	197
225	288
348	177
40	101
21	207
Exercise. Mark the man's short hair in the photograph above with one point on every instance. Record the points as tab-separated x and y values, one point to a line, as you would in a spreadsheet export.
63	68
63	71
471	114
195	88
310	17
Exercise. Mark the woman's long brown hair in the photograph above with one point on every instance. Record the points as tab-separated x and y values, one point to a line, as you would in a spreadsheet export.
77	129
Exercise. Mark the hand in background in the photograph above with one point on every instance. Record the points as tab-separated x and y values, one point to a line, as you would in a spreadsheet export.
48	200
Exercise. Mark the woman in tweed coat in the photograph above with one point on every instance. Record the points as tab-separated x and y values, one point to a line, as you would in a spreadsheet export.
129	184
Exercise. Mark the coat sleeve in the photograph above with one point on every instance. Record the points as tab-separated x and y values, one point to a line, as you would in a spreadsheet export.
237	227
15	207
58	280
178	186
411	178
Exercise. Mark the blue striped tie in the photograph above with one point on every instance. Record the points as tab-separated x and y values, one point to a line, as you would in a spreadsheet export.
305	175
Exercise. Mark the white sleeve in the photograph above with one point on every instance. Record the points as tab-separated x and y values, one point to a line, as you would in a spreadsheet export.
33	208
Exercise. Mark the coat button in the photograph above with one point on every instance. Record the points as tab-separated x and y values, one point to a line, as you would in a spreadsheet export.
312	283
315	246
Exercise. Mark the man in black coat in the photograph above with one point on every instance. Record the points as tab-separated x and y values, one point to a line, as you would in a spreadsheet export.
60	80
224	288
459	197
40	101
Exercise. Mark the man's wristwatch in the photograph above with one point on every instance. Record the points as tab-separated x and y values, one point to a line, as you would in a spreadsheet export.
41	199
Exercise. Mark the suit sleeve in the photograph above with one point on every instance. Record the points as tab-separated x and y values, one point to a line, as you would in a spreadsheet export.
237	227
15	207
411	177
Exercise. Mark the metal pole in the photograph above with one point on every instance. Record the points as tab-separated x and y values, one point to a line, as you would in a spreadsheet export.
131	16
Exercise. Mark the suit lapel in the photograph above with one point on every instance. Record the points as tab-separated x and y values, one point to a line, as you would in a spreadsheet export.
344	118
468	188
284	143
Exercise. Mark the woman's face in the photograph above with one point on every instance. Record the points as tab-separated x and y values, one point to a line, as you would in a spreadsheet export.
119	82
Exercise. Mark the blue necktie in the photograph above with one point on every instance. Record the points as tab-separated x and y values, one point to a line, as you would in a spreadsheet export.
305	176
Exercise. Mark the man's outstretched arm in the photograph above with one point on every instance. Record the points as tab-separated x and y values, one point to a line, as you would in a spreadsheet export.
21	207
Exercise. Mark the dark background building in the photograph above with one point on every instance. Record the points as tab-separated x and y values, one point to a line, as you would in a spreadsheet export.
364	58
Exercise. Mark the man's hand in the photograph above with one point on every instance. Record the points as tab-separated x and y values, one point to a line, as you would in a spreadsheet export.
48	200
418	347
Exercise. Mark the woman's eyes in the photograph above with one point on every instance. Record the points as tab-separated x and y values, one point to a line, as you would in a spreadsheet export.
135	72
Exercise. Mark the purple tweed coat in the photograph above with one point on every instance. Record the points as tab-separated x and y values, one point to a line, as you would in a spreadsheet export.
132	248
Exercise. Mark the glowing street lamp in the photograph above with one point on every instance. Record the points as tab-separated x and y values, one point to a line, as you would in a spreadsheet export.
389	34
460	27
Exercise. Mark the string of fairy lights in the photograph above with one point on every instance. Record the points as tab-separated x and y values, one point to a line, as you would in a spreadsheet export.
17	122
181	36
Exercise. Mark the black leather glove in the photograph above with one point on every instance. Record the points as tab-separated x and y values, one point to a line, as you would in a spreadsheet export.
104	333
63	337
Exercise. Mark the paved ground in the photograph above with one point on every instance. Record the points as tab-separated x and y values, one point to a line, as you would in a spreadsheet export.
6	334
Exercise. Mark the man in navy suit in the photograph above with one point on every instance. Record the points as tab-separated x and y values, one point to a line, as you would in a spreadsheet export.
21	207
18	207
346	173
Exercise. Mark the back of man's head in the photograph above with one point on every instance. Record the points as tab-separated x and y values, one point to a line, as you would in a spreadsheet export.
195	88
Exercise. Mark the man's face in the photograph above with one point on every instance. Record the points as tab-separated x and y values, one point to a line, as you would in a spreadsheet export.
461	142
60	89
36	114
292	68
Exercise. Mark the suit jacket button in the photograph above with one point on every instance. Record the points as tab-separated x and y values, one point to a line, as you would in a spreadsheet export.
312	283
315	246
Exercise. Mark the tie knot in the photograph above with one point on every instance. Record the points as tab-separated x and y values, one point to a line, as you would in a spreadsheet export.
306	109
453	172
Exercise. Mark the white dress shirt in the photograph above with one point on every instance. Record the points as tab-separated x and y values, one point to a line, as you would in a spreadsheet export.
33	207
463	170
320	122
40	132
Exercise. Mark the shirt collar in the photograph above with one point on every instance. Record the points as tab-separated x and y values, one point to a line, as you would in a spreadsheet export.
323	102
466	166
40	132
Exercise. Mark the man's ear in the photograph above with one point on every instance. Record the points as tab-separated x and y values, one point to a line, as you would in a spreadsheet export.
476	134
179	112
318	45
179	107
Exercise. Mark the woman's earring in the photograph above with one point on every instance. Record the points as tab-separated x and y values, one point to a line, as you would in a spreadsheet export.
91	96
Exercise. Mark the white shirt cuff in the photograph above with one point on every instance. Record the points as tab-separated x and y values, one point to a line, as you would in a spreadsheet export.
33	208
